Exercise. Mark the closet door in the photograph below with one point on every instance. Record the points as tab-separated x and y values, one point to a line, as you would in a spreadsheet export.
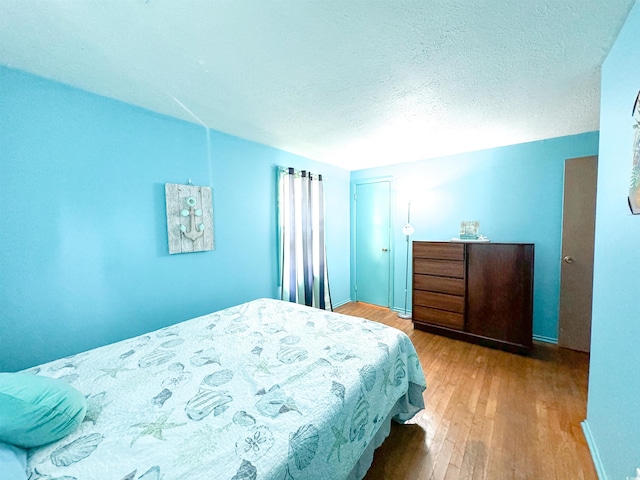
500	292
372	242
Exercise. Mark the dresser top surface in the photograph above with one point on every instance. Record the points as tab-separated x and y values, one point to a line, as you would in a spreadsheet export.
459	242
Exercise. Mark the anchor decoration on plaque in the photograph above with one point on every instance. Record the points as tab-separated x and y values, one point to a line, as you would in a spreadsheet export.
196	228
189	218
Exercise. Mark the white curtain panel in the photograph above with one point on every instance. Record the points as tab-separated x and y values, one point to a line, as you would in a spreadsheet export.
303	258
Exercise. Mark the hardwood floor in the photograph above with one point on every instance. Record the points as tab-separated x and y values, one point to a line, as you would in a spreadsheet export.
489	414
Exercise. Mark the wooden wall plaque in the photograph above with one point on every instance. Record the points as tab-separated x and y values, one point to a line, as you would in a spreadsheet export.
189	218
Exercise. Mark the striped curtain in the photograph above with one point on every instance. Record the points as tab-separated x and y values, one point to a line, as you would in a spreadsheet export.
303	258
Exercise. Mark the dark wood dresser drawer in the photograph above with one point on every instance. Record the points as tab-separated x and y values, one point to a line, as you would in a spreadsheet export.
443	268
440	301
439	317
442	251
452	286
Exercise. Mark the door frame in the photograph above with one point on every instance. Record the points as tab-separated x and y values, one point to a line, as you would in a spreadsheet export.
353	243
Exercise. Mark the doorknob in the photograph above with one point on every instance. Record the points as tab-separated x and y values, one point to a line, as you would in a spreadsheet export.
568	259
385	249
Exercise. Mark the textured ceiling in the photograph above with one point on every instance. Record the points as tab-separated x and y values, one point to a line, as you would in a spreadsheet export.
354	83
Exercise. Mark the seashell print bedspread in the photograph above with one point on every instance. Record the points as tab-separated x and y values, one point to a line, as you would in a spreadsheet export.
265	390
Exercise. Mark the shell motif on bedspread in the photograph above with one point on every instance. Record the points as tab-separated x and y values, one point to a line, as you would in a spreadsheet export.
218	378
77	450
206	402
359	420
303	445
255	443
246	472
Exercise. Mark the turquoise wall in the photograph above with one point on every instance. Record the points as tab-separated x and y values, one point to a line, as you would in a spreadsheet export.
613	409
515	193
84	258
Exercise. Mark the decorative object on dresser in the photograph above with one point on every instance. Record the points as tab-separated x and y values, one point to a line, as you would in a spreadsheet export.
469	230
478	292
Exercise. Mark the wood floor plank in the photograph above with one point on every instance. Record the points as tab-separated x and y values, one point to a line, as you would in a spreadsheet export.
489	414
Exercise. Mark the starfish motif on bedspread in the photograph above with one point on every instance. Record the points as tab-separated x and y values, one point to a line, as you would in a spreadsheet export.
339	441
263	367
155	428
386	379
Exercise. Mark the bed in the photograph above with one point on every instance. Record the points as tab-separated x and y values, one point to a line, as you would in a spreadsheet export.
264	390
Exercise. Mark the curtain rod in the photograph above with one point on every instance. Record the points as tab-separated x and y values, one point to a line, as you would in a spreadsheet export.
301	173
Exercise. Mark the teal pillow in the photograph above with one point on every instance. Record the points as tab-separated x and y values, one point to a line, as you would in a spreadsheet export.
35	410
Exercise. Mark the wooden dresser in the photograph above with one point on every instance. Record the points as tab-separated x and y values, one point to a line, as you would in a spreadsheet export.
479	292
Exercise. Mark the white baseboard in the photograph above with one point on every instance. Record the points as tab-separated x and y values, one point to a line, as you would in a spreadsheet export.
541	338
595	456
343	302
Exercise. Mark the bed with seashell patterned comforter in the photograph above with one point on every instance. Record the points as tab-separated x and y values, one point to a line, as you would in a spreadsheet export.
265	390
